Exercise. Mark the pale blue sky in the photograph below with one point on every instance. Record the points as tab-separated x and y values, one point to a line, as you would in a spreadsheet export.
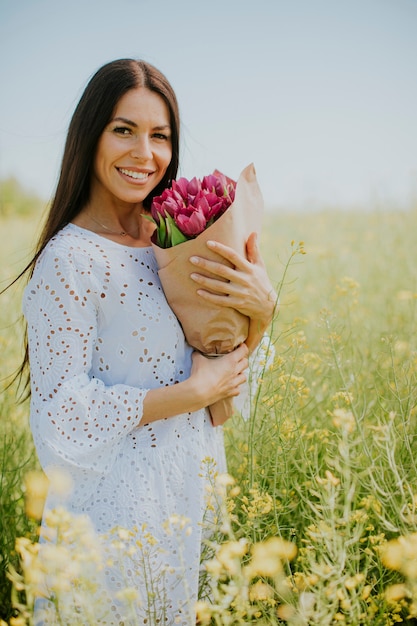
320	94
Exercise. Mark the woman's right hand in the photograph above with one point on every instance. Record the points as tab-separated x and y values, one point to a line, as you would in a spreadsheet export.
210	380
220	377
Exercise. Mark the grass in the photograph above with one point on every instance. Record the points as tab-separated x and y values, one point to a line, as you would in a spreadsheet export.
17	455
328	461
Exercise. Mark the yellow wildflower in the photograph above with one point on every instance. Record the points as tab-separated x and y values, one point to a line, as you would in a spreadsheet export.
401	554
203	612
225	480
230	553
394	593
36	490
353	581
17	621
344	420
214	567
261	591
260	503
267	556
128	594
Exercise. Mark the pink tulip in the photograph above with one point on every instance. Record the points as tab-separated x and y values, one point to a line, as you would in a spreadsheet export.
180	187
191	225
214	184
193	204
194	186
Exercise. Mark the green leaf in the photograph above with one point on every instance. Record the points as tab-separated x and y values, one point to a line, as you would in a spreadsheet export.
175	236
162	233
148	217
161	230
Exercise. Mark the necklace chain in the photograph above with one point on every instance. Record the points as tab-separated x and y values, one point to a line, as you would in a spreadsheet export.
122	233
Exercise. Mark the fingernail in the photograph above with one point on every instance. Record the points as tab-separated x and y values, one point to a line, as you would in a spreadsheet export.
194	259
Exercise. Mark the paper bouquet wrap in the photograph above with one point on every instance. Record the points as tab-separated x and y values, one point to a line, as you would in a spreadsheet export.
211	329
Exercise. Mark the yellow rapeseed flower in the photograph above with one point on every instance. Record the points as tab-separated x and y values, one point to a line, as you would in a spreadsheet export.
128	594
16	621
150	539
348	287
344	397
259	504
261	591
225	480
328	479
300	339
401	555
264	563
395	593
203	612
371	503
354	581
36	490
344	420
214	567
312	360
267	556
332	478
229	555
286	612
360	516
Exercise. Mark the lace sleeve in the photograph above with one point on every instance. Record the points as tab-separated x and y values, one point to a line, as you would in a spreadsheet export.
78	423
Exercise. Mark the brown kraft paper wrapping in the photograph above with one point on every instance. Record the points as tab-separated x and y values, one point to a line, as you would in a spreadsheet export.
211	329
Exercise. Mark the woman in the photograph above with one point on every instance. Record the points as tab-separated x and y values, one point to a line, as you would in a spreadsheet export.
119	400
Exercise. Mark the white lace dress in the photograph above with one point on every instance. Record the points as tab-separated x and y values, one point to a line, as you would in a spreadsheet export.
100	335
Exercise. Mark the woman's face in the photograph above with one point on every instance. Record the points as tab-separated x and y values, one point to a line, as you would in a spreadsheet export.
134	150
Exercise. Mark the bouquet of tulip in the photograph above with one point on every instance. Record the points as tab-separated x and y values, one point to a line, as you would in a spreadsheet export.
187	215
187	208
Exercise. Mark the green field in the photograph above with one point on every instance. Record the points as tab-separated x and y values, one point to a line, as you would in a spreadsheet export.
328	460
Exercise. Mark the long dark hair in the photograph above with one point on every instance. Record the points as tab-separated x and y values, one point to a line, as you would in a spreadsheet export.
91	116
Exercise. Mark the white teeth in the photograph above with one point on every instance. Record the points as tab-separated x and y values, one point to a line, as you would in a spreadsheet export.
138	175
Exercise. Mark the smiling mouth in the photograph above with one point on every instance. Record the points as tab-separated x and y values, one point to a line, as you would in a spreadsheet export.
135	175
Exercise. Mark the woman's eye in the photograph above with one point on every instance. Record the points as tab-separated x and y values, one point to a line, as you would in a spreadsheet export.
161	136
122	130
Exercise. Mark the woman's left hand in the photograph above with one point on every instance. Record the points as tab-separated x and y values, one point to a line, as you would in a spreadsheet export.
245	286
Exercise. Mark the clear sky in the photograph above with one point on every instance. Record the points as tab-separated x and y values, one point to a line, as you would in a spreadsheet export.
320	94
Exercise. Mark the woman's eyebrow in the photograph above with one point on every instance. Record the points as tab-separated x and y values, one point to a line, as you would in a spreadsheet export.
130	123
124	120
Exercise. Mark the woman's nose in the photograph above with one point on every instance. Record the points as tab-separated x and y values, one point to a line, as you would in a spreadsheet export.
141	148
